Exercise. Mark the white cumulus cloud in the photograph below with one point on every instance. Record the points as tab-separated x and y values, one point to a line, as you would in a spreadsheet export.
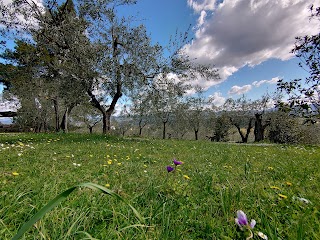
240	90
200	5
235	33
272	81
202	18
217	99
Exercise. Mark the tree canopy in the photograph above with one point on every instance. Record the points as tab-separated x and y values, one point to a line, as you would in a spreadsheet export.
79	49
304	94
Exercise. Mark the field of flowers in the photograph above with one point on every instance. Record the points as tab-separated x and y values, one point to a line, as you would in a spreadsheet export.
181	189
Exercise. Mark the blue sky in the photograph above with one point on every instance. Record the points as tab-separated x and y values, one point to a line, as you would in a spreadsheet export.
249	41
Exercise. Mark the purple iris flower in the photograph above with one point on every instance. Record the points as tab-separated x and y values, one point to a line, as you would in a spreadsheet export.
176	162
242	220
170	169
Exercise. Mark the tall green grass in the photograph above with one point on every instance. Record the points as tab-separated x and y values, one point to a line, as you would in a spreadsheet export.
265	181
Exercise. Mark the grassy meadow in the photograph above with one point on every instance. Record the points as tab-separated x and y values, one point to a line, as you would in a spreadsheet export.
277	185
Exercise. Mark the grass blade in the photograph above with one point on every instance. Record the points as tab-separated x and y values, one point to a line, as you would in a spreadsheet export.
54	202
108	191
62	196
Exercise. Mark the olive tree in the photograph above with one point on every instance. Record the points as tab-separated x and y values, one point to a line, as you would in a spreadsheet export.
303	94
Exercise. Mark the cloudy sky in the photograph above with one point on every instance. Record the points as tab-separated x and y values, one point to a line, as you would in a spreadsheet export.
249	41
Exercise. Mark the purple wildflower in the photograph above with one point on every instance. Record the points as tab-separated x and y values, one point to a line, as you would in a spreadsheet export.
253	223
242	220
170	169
176	162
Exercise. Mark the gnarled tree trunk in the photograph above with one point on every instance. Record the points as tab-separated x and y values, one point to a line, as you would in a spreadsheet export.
64	121
164	129
56	112
244	137
259	127
196	134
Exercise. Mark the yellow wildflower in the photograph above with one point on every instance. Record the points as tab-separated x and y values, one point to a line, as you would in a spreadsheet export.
107	185
289	183
186	177
110	162
282	196
119	164
15	174
270	168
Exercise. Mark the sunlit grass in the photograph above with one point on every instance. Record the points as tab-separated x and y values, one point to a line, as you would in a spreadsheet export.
198	200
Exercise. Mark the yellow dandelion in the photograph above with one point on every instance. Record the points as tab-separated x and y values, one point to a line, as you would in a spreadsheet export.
186	177
109	162
107	185
275	187
15	174
282	196
289	183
